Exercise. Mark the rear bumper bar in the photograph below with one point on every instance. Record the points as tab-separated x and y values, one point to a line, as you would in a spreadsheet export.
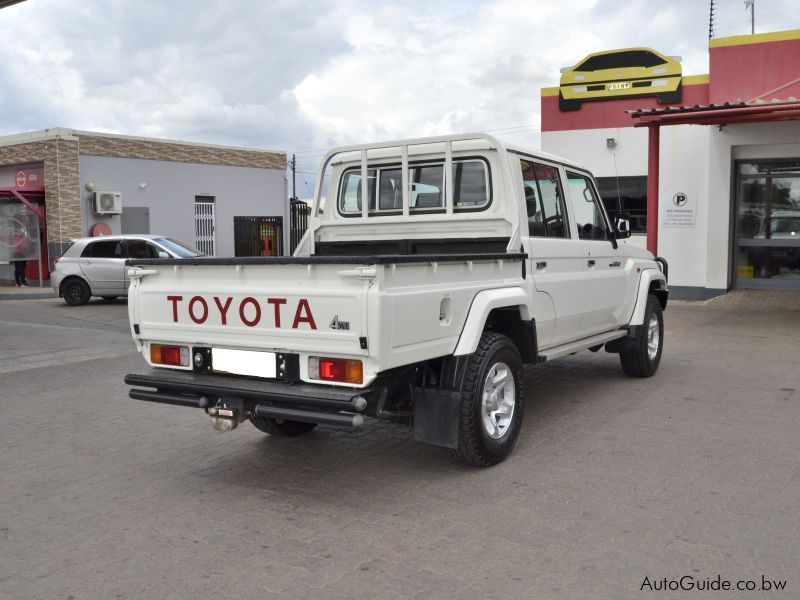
299	402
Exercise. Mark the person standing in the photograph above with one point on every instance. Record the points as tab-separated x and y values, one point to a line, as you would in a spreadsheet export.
19	243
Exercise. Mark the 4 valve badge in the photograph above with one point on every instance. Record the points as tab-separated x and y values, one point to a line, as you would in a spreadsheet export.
339	325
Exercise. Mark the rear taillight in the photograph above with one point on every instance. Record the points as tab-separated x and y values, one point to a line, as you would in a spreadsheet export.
335	369
173	356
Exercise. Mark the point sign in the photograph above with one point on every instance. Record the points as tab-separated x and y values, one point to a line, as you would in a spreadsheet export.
21	179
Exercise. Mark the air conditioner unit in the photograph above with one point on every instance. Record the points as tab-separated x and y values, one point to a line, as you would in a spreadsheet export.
108	203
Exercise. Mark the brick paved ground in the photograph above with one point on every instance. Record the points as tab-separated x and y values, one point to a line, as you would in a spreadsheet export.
693	472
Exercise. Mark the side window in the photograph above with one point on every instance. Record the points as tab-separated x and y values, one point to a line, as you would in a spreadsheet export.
427	183
105	249
586	208
350	194
544	200
141	249
471	184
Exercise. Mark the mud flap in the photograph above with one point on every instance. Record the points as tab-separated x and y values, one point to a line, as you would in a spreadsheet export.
436	417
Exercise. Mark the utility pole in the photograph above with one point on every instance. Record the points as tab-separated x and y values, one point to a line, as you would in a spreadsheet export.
294	176
751	4
711	20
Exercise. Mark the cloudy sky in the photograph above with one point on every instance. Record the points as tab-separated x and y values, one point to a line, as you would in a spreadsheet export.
303	75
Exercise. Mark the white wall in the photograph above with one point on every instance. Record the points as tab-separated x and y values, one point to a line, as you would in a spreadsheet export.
587	147
684	168
170	191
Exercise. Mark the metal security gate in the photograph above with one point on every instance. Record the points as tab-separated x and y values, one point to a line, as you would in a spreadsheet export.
204	230
258	236
298	223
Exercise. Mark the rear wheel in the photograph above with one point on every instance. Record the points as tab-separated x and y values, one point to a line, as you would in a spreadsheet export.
492	402
643	360
76	292
281	427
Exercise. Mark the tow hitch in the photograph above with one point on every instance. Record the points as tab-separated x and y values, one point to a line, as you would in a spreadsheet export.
227	414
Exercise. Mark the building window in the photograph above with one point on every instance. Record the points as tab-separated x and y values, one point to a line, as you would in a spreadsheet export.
625	195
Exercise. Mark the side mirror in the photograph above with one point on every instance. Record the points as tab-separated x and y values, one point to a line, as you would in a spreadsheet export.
162	254
623	225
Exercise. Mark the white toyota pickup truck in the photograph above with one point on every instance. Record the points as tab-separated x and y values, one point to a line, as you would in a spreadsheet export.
416	298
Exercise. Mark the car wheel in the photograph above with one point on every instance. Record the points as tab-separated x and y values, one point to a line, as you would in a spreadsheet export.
281	427
76	292
648	344
492	402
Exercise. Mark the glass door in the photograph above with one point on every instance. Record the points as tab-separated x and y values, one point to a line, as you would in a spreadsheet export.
767	251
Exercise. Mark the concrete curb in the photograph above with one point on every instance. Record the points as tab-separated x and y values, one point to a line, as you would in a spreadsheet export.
28	295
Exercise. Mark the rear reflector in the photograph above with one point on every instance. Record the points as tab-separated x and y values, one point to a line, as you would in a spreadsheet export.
335	369
173	356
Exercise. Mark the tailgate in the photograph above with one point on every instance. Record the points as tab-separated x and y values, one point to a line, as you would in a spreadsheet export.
288	307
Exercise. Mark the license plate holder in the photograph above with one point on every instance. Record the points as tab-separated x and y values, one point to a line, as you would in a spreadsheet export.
247	363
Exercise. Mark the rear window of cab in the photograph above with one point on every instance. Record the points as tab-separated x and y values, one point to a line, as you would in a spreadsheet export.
471	188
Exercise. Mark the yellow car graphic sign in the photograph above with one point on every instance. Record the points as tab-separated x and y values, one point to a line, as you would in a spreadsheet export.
625	73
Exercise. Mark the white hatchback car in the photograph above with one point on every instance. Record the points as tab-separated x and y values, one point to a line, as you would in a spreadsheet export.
95	266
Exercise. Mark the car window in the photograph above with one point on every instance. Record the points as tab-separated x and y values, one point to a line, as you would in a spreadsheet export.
104	249
586	208
178	248
621	60
141	249
544	200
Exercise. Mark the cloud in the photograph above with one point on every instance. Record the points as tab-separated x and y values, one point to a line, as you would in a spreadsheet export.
309	74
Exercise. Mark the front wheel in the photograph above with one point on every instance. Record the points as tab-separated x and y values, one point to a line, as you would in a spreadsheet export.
643	359
492	402
281	427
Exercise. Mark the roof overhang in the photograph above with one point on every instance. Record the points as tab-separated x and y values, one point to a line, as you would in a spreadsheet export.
718	114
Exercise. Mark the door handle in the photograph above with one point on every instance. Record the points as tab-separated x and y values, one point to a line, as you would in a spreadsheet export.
616	263
592	263
542	264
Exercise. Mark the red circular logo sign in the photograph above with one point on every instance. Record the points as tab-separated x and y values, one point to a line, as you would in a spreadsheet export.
21	179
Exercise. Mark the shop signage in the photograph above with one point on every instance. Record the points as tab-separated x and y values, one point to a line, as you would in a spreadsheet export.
680	208
25	177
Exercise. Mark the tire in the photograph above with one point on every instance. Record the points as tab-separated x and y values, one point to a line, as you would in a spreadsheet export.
76	292
483	438
281	428
643	360
109	298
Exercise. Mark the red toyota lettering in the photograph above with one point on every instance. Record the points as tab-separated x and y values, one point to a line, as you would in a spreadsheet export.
249	322
174	300
201	301
223	309
302	307
276	302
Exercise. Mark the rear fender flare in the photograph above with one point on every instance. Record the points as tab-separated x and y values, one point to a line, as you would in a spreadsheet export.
648	277
483	304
